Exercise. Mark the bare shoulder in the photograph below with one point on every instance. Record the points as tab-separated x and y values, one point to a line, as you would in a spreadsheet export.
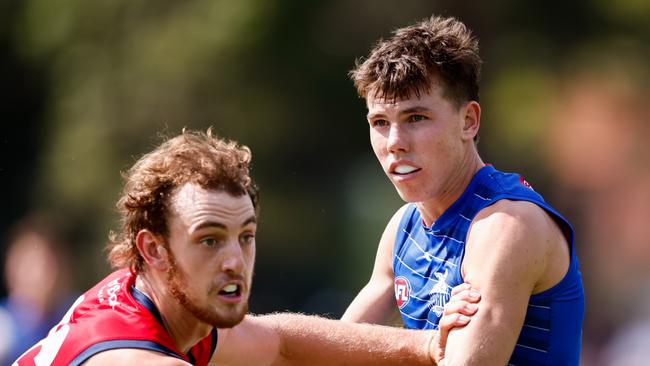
522	213
523	235
390	232
397	216
128	356
516	220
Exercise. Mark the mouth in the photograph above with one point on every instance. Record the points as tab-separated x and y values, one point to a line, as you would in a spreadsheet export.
403	169
231	292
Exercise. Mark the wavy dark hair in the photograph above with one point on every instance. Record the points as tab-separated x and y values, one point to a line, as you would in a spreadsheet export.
435	49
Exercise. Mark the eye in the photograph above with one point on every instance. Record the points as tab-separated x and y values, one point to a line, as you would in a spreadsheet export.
247	238
378	123
416	118
209	242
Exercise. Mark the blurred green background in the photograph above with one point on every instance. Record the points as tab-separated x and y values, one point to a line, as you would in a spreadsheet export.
87	87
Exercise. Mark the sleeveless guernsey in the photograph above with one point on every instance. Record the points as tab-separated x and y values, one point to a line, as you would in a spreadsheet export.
427	265
111	315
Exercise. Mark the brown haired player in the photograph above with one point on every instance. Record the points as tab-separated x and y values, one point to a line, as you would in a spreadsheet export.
464	221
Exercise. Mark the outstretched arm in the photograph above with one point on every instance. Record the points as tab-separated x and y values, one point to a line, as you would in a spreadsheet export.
294	339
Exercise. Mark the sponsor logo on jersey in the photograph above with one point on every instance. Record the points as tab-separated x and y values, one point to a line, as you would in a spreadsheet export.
439	294
109	292
402	291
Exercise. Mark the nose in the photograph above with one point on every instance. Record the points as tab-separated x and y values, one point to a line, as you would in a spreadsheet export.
397	141
233	258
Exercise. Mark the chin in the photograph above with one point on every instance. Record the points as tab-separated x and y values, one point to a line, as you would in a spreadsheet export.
230	319
229	315
219	315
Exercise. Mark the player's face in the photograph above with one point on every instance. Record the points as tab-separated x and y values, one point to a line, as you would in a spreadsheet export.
420	143
212	242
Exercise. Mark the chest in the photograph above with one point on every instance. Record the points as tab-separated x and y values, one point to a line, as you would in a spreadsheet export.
426	265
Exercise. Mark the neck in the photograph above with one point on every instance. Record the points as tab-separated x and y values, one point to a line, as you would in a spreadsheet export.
431	209
185	329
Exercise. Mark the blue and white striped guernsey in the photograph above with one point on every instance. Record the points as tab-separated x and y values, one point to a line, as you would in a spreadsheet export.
427	262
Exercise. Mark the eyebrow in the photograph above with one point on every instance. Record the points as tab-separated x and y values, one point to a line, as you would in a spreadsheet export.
218	225
415	109
250	220
375	115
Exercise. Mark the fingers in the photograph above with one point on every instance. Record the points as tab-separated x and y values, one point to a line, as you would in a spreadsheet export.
453	321
460	307
464	293
459	288
458	311
447	323
453	318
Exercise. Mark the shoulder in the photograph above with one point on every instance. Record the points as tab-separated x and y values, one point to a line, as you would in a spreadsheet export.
387	241
127	356
516	235
513	223
513	215
393	227
397	216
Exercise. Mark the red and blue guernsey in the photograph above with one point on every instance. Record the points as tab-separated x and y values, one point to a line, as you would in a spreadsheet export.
427	265
111	315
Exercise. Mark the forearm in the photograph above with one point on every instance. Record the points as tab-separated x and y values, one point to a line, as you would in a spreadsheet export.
471	345
476	352
309	340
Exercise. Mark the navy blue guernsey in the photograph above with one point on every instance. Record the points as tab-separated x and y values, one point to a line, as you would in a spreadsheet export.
427	265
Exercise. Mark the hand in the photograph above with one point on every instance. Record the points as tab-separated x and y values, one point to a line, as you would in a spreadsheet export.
458	312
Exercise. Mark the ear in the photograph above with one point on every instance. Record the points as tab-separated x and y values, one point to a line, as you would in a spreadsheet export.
472	115
152	250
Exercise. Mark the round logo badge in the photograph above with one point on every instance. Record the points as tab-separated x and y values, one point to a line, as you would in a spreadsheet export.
402	291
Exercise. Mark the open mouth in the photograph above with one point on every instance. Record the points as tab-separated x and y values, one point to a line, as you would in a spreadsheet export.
404	169
231	290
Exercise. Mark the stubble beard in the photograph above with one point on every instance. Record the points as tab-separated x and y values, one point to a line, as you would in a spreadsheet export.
177	281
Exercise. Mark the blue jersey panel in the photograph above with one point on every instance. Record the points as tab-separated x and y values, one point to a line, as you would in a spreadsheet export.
427	265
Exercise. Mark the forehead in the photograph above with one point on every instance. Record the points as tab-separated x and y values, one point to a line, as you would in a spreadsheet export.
435	90
375	100
192	204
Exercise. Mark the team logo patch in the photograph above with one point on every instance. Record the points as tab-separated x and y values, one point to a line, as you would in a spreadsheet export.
440	294
402	291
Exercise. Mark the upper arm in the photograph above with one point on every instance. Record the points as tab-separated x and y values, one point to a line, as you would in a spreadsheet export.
129	356
251	342
506	255
375	302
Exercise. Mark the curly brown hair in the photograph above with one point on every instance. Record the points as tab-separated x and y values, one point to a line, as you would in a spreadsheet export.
409	62
192	156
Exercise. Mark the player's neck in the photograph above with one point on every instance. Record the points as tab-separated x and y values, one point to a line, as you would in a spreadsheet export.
181	325
456	184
